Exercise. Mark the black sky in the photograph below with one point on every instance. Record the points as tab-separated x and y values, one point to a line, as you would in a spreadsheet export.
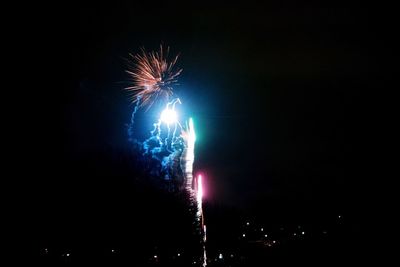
276	90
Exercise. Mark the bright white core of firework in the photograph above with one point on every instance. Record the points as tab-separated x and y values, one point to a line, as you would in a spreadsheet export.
169	116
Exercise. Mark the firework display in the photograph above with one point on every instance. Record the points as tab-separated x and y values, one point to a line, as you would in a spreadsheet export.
152	77
169	151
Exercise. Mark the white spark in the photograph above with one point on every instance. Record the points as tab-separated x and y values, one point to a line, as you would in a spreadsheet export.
169	116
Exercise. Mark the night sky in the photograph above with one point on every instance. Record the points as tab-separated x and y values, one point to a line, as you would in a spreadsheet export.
276	92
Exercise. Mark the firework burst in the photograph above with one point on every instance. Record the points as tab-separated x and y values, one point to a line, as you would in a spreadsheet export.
152	76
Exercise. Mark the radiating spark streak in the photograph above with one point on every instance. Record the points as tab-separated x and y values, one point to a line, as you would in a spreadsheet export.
153	77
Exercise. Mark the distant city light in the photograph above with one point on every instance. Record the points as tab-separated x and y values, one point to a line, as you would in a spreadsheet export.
155	256
67	254
302	233
340	216
294	234
274	241
247	223
244	235
179	254
231	255
262	229
220	256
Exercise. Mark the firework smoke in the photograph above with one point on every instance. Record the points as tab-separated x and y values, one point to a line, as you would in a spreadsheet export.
130	126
